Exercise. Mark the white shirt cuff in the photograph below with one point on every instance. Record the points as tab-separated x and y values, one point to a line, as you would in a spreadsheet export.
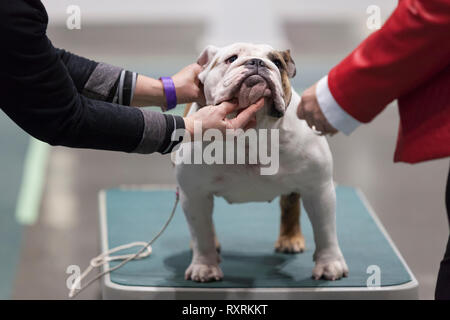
335	115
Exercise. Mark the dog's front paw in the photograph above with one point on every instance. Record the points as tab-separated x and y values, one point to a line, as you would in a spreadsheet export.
330	268
290	244
203	272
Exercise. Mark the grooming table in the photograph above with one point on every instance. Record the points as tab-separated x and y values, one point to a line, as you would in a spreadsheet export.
247	233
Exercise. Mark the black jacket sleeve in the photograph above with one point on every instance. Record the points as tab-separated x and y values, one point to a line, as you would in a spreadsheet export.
80	68
40	94
99	81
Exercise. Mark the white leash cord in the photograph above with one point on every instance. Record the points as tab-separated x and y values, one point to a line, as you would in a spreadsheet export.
105	257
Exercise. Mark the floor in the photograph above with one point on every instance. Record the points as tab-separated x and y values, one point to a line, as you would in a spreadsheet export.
14	145
408	199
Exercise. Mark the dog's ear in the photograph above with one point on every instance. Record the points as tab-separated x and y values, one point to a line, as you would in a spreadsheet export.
207	55
290	64
205	59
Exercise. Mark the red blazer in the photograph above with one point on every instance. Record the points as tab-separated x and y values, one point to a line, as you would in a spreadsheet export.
408	59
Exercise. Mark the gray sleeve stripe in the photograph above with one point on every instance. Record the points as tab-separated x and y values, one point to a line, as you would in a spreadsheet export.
121	81
133	86
154	131
169	147
101	81
116	95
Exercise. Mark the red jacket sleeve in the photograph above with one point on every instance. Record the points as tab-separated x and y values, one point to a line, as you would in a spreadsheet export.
412	46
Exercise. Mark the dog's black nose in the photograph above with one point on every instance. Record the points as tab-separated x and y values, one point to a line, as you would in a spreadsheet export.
255	62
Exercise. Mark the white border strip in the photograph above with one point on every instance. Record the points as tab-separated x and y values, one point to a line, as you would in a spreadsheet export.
33	180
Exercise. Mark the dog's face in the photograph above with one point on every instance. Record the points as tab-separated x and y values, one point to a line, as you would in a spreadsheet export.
247	72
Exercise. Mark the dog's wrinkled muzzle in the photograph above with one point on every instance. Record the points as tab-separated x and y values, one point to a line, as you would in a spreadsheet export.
257	86
259	83
252	89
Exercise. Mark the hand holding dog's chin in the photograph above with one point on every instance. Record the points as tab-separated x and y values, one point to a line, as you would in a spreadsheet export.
309	110
215	117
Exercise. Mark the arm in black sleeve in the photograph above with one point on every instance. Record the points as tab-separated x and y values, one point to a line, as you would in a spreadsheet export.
99	80
80	68
39	94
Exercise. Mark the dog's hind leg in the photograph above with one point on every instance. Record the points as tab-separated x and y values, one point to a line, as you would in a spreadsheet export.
186	109
291	239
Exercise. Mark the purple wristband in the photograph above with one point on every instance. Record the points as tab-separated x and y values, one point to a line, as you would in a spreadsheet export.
169	91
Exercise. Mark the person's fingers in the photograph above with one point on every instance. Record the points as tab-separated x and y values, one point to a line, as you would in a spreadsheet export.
246	115
329	129
189	125
319	127
227	107
334	132
301	111
250	124
309	119
197	68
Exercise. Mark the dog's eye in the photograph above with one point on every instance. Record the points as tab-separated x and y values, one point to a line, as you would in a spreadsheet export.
231	59
278	63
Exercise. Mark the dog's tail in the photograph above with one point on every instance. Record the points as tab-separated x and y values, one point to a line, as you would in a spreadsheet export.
186	110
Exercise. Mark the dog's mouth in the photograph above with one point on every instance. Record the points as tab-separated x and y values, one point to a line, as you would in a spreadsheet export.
251	90
251	87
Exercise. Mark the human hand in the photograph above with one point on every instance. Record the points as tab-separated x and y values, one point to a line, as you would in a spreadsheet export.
188	87
215	117
150	92
309	110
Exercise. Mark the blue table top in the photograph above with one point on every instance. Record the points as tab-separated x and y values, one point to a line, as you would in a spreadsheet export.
247	233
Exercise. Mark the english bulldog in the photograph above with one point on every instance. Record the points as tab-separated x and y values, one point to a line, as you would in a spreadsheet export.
247	72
